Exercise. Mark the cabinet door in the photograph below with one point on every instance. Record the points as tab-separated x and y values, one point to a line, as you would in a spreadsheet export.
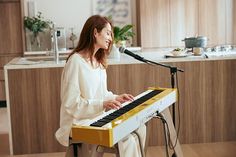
154	23
212	20
11	44
2	85
234	23
231	22
10	27
183	20
2	91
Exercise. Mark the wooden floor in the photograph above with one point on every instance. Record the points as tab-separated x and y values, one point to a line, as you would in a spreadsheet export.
221	149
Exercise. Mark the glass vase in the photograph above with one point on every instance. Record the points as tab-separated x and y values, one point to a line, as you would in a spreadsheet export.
33	42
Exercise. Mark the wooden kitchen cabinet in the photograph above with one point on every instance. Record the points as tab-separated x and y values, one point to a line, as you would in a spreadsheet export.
35	109
207	104
154	23
164	23
11	28
11	43
231	22
212	21
183	20
2	90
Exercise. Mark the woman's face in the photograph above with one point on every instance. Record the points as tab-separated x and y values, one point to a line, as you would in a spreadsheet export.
103	38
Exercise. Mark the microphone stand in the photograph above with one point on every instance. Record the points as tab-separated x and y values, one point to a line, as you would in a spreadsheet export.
173	71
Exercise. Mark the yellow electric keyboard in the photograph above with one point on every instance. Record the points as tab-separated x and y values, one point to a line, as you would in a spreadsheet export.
110	127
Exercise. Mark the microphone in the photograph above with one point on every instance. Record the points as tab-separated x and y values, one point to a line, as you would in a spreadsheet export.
123	50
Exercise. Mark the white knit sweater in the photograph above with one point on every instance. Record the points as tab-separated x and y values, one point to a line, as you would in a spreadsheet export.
83	90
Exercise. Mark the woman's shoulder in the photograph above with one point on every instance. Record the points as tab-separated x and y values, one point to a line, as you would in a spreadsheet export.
75	58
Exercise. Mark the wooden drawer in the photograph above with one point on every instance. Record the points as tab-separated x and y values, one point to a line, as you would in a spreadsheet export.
1	74
4	60
2	91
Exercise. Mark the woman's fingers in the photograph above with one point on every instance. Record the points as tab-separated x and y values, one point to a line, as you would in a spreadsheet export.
129	97
124	97
116	104
112	104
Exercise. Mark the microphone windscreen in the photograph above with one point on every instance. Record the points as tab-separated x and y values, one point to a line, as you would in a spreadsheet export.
121	49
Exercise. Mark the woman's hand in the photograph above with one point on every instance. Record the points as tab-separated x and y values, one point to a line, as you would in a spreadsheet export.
124	97
111	104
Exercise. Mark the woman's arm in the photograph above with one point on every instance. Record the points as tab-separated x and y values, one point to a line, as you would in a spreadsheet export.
71	98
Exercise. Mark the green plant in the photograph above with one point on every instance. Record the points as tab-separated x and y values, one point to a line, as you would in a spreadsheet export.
122	33
36	24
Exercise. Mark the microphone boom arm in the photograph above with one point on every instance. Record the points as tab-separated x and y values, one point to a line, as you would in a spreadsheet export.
142	59
164	65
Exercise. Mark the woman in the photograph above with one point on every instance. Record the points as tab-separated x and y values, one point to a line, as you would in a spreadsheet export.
84	93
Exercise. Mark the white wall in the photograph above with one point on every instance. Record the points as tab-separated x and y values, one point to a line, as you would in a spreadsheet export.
65	13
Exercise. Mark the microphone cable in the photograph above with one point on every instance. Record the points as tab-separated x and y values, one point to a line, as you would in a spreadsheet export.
160	116
172	146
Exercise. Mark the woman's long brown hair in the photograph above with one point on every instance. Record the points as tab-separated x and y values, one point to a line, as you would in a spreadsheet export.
87	39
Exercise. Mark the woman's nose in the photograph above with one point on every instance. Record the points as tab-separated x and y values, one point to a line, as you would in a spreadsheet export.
110	38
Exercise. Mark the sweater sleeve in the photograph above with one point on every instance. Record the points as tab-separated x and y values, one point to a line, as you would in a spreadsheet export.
108	95
71	98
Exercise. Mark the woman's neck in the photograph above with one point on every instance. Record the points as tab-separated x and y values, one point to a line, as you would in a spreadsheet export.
86	55
93	61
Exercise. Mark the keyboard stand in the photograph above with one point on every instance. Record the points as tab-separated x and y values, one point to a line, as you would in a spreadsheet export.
143	154
167	116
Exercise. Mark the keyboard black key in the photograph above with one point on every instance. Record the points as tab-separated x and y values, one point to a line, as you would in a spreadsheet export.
98	124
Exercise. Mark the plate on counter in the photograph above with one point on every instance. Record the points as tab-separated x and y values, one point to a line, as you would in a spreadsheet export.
176	56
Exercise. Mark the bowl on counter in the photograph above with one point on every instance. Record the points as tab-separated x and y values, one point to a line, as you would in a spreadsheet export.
178	52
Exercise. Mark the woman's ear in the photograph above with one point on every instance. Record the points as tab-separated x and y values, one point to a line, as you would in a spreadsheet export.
95	32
